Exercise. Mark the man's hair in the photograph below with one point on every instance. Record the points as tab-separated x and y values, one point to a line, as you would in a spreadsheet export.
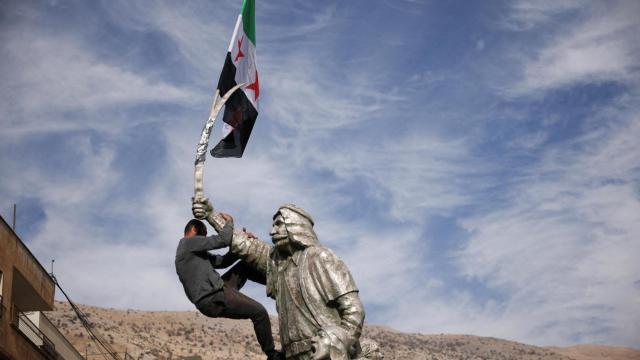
197	225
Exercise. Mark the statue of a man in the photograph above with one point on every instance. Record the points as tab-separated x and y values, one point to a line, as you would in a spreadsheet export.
314	291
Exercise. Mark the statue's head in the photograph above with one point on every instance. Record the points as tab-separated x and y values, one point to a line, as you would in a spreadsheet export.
292	228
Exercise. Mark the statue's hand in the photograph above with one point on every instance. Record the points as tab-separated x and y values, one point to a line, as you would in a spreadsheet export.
320	347
201	208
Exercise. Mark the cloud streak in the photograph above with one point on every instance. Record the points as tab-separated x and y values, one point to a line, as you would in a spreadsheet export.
602	48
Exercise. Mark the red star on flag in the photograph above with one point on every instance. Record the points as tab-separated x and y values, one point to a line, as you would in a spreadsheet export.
240	53
255	87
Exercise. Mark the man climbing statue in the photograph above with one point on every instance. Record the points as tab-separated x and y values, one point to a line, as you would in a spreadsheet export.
215	295
316	297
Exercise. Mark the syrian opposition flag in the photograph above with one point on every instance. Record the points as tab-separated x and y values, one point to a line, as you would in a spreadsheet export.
241	109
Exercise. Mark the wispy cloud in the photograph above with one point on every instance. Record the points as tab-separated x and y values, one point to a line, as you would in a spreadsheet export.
526	14
411	175
198	30
601	48
566	238
63	79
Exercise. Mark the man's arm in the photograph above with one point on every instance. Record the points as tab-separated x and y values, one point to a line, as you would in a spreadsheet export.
223	261
203	243
246	246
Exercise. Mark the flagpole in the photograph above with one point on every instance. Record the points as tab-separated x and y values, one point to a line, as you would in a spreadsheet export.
201	150
219	100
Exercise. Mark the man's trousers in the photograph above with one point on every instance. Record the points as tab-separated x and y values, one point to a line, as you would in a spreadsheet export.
239	306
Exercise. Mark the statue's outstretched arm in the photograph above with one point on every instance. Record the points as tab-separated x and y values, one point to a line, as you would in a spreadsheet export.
244	244
250	249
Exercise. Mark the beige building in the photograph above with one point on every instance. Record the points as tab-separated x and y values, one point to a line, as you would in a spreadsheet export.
26	290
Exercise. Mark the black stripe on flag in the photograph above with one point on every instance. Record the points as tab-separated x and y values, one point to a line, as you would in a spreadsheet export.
238	112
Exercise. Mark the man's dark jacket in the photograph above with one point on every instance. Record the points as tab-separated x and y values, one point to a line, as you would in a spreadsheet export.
196	267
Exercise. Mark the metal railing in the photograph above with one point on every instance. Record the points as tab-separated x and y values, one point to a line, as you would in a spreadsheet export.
23	324
63	347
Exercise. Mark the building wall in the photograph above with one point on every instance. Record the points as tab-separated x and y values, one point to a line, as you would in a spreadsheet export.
25	284
15	257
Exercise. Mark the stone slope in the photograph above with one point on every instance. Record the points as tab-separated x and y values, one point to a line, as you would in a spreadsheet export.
598	352
188	334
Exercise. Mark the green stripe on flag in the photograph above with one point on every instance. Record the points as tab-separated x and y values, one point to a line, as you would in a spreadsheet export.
249	19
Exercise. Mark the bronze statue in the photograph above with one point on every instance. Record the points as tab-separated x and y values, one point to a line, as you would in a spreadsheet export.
319	310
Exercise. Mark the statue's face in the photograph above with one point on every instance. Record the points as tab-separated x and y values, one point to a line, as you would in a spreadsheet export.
279	234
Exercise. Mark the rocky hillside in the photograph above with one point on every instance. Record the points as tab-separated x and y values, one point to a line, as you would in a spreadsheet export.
189	335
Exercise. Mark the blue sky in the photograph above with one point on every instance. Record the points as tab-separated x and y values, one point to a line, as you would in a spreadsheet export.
474	163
